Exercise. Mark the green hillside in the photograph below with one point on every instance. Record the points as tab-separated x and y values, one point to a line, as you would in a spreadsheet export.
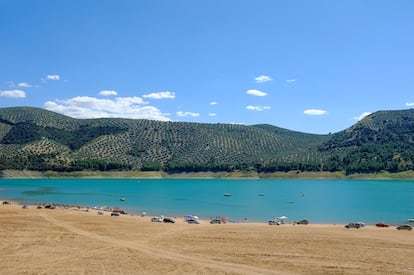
37	139
381	141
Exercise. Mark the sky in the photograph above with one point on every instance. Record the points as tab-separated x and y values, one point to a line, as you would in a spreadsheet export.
311	66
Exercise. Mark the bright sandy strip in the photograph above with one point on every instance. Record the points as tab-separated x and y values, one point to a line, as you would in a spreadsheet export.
74	241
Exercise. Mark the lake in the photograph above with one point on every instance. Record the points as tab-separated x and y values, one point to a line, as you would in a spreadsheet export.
319	201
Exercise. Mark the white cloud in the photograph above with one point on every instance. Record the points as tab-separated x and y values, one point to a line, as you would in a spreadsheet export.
361	116
256	92
257	108
11	84
315	112
13	94
409	104
91	107
108	93
212	114
24	85
187	114
262	79
290	80
214	103
160	95
53	77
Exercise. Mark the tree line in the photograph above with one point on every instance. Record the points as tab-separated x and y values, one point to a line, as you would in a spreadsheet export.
391	157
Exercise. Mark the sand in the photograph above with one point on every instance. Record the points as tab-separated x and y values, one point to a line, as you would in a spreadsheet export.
75	241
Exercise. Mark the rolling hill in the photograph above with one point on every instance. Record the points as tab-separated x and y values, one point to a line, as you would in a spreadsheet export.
37	139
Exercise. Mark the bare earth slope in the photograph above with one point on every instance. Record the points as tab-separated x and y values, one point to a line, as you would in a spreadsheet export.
73	241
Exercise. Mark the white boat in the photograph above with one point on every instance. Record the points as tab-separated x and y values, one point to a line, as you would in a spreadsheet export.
122	199
227	194
411	220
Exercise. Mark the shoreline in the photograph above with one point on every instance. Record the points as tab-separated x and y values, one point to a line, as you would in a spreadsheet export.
91	211
74	209
95	209
179	219
25	174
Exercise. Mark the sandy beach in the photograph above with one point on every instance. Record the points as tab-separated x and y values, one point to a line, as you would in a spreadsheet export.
70	240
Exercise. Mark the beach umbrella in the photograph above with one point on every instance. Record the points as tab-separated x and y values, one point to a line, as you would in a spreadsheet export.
224	219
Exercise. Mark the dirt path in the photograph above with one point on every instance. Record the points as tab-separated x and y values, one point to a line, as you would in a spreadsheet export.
158	253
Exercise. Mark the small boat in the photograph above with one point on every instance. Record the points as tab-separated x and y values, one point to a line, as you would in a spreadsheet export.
227	194
411	220
291	202
261	194
122	199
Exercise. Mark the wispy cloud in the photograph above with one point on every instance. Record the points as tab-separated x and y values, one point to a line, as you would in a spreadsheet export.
23	85
256	92
290	80
409	104
212	114
13	94
91	107
257	108
187	114
108	93
315	112
52	77
262	79
214	103
361	116
160	95
12	84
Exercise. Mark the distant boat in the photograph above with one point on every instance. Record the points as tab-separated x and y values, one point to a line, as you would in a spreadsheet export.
411	220
227	194
122	199
291	202
261	194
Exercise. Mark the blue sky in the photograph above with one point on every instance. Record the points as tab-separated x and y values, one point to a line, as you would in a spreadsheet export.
310	66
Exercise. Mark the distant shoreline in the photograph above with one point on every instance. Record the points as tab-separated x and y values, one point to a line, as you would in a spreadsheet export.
408	175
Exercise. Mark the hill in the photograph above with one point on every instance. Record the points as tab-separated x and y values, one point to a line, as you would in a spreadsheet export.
40	140
382	141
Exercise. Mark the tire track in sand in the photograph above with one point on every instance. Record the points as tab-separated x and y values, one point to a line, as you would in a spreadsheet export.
157	253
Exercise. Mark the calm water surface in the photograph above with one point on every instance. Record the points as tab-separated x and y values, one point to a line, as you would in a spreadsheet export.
320	201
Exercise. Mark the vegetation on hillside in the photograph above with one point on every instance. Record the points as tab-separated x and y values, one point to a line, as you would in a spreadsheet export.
40	140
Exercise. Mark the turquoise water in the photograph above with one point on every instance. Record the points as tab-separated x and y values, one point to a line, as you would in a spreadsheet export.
320	201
